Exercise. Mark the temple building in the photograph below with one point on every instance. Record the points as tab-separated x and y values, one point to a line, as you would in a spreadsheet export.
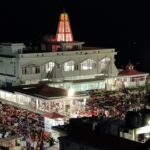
41	79
60	61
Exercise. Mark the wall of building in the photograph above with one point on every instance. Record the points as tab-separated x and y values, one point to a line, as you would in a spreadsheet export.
136	83
61	58
12	67
11	48
7	66
126	81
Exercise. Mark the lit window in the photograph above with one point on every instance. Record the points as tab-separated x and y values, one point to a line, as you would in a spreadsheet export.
104	64
69	66
49	66
88	64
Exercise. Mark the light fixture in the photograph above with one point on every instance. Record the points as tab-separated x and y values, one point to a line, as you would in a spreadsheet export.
71	92
148	122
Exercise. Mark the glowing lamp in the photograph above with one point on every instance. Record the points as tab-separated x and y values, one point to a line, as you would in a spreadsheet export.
148	122
70	92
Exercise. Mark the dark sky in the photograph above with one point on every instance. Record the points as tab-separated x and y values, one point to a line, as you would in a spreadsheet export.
124	25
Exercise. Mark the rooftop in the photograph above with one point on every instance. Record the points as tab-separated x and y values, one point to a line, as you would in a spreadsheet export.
44	91
38	90
129	70
53	115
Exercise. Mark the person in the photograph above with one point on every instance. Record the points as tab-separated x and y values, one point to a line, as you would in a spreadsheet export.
45	144
1	107
52	141
35	144
41	145
23	143
1	135
28	142
32	144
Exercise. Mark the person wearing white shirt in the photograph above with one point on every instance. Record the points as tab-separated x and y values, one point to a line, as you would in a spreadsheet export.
23	144
1	135
45	145
6	134
32	145
35	145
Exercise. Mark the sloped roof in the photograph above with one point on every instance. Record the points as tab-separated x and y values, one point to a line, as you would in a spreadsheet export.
53	115
43	91
129	70
51	91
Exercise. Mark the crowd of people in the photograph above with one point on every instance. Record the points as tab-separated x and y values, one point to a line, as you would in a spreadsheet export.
109	104
29	125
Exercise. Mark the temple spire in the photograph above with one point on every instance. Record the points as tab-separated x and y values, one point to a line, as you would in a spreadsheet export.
64	33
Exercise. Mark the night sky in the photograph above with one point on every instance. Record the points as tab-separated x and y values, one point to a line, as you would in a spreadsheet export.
124	25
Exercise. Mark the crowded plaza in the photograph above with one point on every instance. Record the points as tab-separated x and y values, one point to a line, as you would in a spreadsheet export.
108	104
26	128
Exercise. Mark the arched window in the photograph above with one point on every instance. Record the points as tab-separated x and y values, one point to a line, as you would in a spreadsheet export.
49	66
104	64
69	66
88	64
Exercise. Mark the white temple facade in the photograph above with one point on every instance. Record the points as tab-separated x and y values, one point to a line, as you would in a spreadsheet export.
62	62
18	68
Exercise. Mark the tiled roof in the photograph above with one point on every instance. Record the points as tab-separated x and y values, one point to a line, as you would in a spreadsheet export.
51	91
130	72
43	91
53	115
